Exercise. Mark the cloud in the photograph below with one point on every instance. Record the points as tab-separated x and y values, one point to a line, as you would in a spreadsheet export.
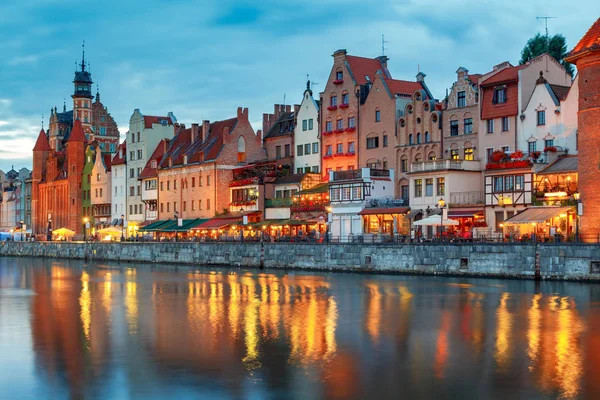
22	60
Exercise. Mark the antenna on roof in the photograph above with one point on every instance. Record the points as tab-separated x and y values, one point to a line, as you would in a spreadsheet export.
418	68
284	99
546	23
42	121
383	42
83	56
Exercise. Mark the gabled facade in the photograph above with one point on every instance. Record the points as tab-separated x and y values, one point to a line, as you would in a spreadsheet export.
461	117
278	131
345	92
145	133
149	179
419	137
119	185
307	157
100	190
550	118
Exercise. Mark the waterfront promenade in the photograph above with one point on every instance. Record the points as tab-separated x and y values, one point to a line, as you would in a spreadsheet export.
511	260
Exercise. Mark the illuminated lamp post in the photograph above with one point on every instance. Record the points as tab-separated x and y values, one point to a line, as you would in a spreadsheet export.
86	221
122	227
441	204
577	197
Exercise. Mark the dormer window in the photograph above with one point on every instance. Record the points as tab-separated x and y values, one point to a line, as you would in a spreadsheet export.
153	164
185	160
499	95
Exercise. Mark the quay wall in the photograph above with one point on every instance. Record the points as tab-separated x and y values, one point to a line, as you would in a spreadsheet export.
557	261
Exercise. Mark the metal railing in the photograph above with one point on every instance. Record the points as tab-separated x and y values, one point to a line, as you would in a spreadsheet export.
347	175
279	202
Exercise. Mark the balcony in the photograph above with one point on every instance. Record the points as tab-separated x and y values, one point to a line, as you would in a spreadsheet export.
441	165
279	202
464	198
361	173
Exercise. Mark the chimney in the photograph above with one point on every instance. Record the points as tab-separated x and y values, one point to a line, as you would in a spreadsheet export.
205	130
288	108
165	145
242	113
421	77
296	109
267	122
383	60
339	54
502	65
259	134
194	133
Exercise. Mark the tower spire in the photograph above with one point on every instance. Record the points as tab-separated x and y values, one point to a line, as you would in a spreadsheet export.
83	56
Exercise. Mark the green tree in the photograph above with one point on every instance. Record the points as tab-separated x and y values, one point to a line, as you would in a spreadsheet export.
557	48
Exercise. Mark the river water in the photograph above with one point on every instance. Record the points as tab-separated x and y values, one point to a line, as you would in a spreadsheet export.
70	330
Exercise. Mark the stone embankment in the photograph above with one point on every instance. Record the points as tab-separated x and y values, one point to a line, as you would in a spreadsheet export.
556	261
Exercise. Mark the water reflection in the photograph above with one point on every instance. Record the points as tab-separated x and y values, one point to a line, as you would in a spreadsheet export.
105	331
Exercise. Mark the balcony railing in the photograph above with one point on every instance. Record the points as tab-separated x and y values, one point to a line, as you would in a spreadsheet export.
360	173
444	165
279	202
467	198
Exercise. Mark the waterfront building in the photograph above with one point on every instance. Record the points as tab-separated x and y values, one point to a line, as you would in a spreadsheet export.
548	124
100	190
384	104
145	133
419	136
149	180
86	186
197	170
15	200
461	117
118	196
282	195
278	131
307	139
351	192
59	157
586	56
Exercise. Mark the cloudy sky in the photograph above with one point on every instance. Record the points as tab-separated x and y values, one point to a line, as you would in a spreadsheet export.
203	59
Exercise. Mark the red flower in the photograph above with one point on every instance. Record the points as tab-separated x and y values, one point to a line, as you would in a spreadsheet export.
327	133
339	131
331	108
550	149
350	129
509	164
517	155
327	157
338	81
344	105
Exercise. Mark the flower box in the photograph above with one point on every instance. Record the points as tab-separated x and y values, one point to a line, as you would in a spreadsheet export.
550	149
331	108
517	155
242	203
350	129
338	131
350	154
344	105
509	164
327	133
338	81
243	182
327	157
339	155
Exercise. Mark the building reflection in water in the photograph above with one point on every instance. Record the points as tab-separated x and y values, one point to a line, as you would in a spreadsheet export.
334	337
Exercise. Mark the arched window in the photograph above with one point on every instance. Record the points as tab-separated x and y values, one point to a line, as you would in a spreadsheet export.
419	138
411	139
427	138
241	144
419	157
402	123
431	156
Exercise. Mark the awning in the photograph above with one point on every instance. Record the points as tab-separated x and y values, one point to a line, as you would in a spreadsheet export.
464	213
413	213
435	220
537	215
186	225
218	223
384	210
322	188
153	227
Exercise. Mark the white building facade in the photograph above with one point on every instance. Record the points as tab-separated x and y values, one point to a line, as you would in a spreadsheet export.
145	133
119	185
306	135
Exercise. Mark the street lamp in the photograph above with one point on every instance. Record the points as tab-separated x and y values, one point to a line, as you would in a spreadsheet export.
242	224
328	209
86	220
577	196
177	222
122	227
21	223
441	203
49	233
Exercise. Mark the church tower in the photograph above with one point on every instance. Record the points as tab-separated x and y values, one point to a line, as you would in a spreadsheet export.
82	97
586	55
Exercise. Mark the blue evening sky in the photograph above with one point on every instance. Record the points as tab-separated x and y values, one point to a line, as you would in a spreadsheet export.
203	59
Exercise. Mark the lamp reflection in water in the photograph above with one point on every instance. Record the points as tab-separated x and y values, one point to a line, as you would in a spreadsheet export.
504	320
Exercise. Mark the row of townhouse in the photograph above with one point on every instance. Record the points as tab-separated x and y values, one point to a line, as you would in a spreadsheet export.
15	202
372	155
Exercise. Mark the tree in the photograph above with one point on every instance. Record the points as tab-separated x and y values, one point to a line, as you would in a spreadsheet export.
557	48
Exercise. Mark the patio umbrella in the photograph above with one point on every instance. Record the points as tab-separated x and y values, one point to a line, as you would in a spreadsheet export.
436	220
63	232
111	230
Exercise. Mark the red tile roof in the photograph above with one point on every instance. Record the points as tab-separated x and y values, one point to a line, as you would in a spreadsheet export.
117	159
490	110
157	155
506	75
360	67
589	42
561	92
149	120
106	159
211	147
398	86
77	133
42	142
